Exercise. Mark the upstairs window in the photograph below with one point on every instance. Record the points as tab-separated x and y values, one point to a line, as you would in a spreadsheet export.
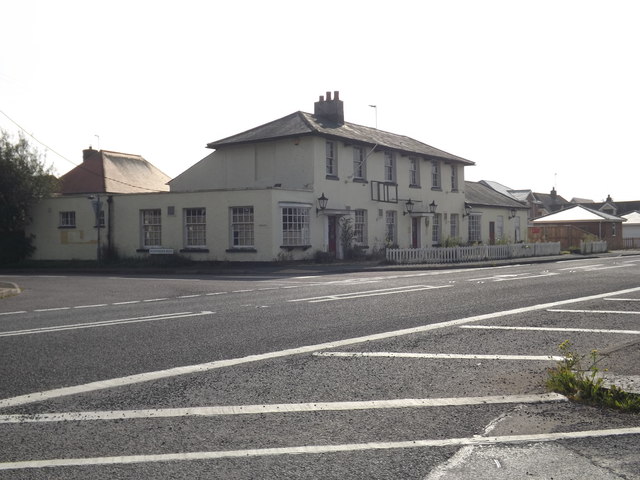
414	172
389	167
331	160
435	175
359	165
67	220
195	227
454	178
151	228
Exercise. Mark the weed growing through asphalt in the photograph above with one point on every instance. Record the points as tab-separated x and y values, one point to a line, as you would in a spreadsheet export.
582	383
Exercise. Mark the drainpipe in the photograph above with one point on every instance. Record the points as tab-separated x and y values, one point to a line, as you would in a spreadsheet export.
109	222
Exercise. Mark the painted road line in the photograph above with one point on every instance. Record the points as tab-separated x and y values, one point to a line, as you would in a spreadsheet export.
368	293
562	310
205	367
280	408
448	356
92	306
596	269
215	293
583	267
623	299
319	449
107	323
190	296
553	329
131	302
155	300
13	313
52	309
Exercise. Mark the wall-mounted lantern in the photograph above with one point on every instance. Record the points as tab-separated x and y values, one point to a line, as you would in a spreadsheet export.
322	203
433	207
408	207
467	210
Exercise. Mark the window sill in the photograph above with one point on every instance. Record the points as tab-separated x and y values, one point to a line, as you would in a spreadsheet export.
66	227
241	250
437	189
332	177
295	247
194	250
360	180
415	186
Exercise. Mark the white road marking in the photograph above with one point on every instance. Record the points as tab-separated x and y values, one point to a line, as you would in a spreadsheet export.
596	269
621	312
581	267
13	313
368	293
440	355
91	306
204	367
107	323
190	296
52	309
215	293
509	278
623	299
242	291
318	449
554	329
279	408
155	300
127	303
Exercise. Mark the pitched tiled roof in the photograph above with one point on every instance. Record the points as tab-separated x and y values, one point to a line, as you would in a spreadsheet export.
112	172
301	123
479	194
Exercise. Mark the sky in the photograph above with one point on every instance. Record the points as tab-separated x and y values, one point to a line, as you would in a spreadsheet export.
539	94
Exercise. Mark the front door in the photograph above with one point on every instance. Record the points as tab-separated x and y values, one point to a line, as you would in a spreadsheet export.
492	233
415	232
333	234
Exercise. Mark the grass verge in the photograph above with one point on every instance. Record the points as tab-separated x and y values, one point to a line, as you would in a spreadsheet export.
583	383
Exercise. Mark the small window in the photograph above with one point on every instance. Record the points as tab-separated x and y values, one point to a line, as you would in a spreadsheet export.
67	219
359	165
242	235
151	228
195	227
332	161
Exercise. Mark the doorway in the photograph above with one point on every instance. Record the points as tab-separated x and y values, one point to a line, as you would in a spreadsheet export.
333	234
415	232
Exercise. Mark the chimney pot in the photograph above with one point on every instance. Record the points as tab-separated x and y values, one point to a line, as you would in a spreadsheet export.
321	98
336	95
328	96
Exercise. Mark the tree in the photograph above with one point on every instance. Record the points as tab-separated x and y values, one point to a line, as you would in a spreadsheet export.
24	180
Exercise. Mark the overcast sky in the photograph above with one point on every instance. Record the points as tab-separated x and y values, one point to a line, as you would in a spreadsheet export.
537	93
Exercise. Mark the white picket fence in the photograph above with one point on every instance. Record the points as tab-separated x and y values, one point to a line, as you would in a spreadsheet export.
593	247
471	254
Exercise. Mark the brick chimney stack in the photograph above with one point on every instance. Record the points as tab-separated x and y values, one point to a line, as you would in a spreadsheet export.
330	109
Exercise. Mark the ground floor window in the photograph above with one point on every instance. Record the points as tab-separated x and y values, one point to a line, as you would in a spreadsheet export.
242	227
295	226
436	229
195	227
474	228
391	230
151	228
454	224
499	227
517	235
360	227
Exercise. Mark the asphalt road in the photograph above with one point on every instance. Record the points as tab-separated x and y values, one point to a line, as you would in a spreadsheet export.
301	373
